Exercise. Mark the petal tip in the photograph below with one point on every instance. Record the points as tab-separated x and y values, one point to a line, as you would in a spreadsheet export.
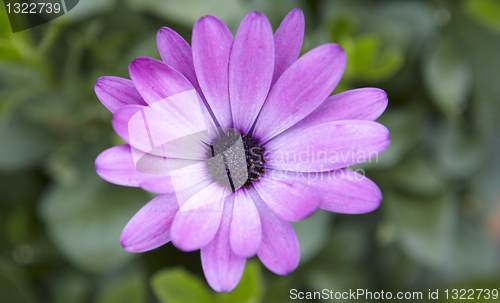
296	17
164	29
98	83
99	87
141	62
208	20
255	16
162	32
124	242
296	11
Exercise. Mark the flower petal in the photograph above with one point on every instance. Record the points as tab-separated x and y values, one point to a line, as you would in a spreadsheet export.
152	173
212	42
222	268
279	250
288	42
194	229
149	228
251	67
182	175
161	185
347	192
286	196
156	80
301	88
366	103
176	52
328	146
165	89
116	165
115	92
357	104
121	119
211	193
173	127
246	231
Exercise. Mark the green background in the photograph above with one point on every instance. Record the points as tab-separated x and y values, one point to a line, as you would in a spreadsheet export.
437	228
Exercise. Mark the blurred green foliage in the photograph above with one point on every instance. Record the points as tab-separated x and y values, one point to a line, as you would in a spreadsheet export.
436	228
178	286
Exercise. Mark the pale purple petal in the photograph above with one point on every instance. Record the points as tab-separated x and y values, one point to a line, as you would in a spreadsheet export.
366	103
212	42
176	128
115	92
301	88
186	175
342	190
176	52
194	229
328	146
222	268
116	165
347	192
251	67
246	230
120	123
161	185
156	80
149	228
288	42
279	250
182	174
287	196
173	127
211	193
357	104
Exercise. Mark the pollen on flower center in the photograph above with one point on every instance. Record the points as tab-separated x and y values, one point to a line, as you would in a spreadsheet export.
235	160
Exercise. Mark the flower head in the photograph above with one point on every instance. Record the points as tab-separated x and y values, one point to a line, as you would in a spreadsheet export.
239	137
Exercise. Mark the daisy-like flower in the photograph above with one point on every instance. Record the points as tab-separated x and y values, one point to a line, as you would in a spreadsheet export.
239	137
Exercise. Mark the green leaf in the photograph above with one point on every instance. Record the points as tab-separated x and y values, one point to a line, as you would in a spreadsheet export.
426	227
340	265
417	177
88	8
131	288
70	287
5	29
8	52
483	48
402	24
343	25
448	77
368	61
186	12
179	286
312	234
250	288
473	254
486	12
23	143
85	220
485	185
459	152
14	286
19	83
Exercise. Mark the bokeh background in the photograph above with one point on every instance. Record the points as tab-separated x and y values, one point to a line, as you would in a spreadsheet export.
437	228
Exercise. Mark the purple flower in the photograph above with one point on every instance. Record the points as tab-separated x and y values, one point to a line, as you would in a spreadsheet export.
239	137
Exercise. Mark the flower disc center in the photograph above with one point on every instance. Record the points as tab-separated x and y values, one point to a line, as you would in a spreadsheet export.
235	160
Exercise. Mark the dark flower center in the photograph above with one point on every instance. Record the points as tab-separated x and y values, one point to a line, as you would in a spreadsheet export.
235	161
